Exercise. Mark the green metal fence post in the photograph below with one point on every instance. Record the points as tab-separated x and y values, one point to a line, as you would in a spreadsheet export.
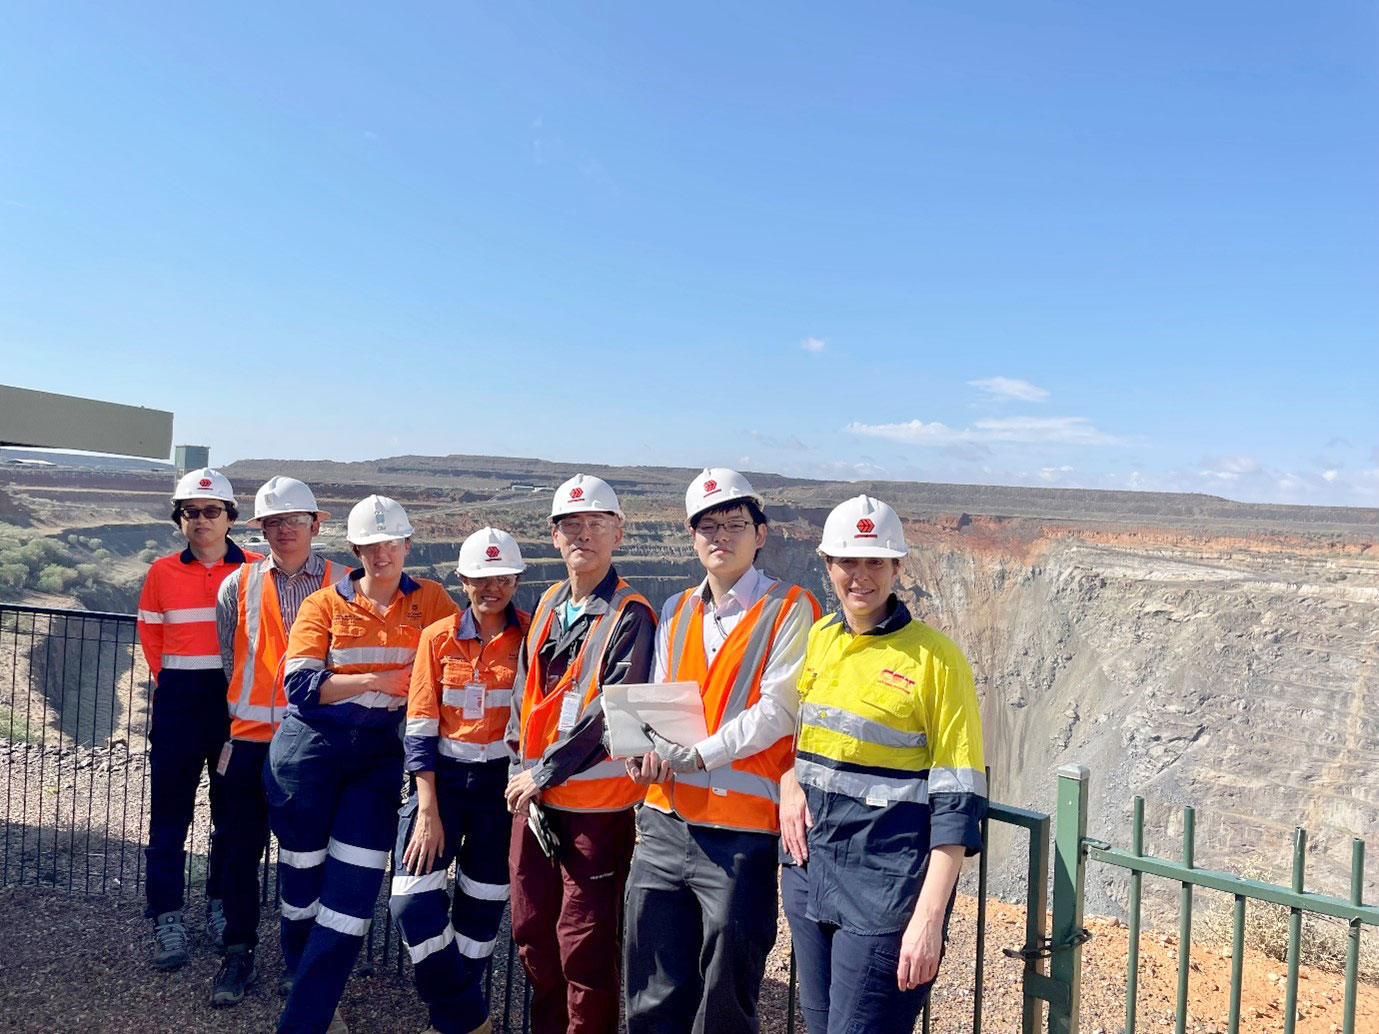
1132	954
1185	920
1065	968
1290	1006
1352	948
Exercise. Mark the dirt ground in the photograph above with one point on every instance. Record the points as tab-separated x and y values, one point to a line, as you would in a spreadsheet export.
79	964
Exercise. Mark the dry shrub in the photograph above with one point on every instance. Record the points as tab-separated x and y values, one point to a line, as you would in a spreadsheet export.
1322	944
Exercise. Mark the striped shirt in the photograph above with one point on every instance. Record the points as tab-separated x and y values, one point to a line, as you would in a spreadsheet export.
293	589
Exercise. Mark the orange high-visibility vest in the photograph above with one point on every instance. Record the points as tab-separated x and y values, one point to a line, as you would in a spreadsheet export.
604	786
177	610
255	696
744	794
444	668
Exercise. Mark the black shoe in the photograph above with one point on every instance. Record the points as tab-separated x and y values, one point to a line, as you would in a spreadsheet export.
237	974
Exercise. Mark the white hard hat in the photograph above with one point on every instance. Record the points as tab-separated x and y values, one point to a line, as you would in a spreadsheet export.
861	527
377	519
204	484
715	486
284	495
490	552
584	493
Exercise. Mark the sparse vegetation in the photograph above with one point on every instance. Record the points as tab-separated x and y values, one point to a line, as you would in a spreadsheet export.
49	564
1323	942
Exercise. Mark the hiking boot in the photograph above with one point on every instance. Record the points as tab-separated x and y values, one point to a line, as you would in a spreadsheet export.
215	923
169	941
237	973
338	1024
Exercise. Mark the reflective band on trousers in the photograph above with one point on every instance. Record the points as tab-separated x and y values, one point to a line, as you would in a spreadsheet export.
339	657
836	719
862	785
179	662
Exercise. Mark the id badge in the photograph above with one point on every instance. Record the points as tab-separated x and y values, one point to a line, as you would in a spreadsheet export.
569	711
224	762
474	700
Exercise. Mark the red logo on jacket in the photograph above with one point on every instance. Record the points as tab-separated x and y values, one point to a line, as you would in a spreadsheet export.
576	493
493	552
865	526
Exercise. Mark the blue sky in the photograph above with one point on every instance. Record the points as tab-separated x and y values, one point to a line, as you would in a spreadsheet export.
1081	244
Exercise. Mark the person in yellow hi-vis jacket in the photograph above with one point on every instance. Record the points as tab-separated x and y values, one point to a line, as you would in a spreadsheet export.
887	794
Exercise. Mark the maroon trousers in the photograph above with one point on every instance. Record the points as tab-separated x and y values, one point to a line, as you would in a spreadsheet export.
567	918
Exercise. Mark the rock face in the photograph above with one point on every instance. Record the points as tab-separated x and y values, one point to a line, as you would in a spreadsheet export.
1186	648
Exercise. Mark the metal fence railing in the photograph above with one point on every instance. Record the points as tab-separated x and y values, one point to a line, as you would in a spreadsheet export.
74	714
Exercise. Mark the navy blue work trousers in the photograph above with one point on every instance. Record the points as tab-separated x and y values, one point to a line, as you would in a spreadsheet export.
243	836
848	981
701	919
451	943
188	730
332	802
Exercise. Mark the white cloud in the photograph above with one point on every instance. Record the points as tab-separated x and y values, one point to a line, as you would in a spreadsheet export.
814	344
1005	388
1229	468
1060	430
1330	475
771	442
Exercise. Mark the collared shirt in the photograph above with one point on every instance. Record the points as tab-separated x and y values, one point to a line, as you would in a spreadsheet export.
293	589
177	610
773	715
627	659
340	631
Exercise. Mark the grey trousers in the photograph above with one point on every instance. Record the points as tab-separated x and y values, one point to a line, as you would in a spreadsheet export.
701	919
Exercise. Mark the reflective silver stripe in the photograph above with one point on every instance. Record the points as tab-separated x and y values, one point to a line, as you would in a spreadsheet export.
195	662
544	609
361	856
293	912
256	713
340	656
957	780
473	949
407	885
835	719
303	664
432	944
609	769
682	623
493	698
741	689
302	859
188	615
150	617
338	921
462	751
373	698
423	726
483	891
251	593
862	786
729	778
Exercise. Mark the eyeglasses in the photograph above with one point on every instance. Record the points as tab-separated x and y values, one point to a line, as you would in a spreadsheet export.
191	513
291	520
573	527
503	581
710	529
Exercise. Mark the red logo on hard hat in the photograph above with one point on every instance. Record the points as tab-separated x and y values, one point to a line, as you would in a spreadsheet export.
576	493
205	482
865	526
710	487
493	552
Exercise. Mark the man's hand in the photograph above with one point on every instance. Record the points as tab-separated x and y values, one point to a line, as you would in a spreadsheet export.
395	683
647	769
795	819
426	844
521	790
673	756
